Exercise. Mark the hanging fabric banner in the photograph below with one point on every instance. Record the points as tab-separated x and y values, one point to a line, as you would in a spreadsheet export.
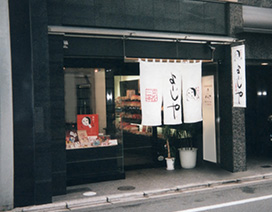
151	89
192	95
238	76
172	94
160	82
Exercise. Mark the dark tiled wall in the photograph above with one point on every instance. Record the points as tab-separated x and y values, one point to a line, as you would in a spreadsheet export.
57	125
234	18
42	135
258	46
22	104
32	158
232	122
239	139
159	15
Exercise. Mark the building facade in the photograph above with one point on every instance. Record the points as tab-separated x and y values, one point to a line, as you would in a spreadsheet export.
46	42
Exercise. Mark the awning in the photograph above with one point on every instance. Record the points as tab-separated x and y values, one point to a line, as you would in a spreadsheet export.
138	35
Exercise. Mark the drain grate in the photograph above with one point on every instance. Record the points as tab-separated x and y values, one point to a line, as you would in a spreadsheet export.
126	188
266	166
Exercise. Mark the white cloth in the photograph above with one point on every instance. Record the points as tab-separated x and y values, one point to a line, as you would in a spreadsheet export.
192	92
151	88
172	94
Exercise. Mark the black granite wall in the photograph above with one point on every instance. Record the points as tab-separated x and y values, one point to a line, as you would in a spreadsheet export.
22	80
57	116
41	96
258	46
32	158
232	121
234	18
159	15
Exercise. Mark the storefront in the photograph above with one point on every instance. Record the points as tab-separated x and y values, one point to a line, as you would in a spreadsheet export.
82	59
101	76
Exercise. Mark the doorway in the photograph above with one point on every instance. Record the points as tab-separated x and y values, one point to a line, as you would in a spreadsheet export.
259	111
211	127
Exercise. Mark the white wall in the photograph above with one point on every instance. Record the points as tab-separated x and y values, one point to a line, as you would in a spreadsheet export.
70	98
100	99
6	115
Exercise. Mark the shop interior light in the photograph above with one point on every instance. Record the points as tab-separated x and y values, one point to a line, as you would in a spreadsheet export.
259	93
109	96
262	93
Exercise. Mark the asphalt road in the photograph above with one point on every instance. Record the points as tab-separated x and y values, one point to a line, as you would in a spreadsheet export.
249	197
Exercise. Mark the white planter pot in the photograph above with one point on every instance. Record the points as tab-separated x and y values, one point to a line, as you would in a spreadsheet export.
170	163
187	157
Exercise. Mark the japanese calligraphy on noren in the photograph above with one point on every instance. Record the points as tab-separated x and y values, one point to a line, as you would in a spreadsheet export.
174	93
238	76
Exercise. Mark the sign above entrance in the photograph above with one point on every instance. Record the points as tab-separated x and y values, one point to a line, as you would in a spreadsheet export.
238	76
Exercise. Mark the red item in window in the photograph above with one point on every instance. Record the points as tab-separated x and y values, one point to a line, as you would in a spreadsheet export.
88	122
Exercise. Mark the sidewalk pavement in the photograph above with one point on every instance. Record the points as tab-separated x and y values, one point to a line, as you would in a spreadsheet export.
145	183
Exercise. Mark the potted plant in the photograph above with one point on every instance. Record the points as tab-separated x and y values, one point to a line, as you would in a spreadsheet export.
170	159
187	153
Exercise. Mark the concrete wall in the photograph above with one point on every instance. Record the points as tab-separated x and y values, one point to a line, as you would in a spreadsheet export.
259	3
6	123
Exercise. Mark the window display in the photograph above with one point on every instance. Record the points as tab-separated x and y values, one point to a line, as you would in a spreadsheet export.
94	148
87	134
128	107
140	145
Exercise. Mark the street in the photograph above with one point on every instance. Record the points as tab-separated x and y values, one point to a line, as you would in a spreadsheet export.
250	197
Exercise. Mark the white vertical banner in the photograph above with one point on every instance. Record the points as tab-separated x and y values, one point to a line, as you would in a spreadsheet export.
238	76
209	127
151	82
192	94
172	94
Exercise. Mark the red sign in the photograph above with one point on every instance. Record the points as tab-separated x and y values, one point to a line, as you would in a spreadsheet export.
151	95
88	122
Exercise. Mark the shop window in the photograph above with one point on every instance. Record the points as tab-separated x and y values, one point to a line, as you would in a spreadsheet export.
85	109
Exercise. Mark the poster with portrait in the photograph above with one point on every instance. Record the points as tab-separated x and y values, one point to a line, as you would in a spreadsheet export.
238	76
88	122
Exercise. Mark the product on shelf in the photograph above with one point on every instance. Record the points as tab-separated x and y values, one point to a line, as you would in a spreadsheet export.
85	141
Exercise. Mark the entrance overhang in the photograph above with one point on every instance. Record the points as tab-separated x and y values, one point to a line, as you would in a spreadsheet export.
139	35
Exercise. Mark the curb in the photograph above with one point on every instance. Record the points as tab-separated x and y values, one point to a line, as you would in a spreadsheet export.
127	197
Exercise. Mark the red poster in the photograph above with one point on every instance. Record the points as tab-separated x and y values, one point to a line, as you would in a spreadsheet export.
88	122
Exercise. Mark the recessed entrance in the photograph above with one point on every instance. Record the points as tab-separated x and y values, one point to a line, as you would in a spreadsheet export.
258	112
